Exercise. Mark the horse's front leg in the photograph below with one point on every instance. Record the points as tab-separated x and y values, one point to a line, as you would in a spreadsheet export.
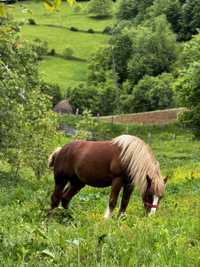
116	187
127	191
71	191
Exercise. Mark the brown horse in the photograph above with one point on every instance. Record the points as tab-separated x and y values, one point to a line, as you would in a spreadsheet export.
125	161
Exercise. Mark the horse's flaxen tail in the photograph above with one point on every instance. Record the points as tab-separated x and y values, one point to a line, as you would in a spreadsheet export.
52	157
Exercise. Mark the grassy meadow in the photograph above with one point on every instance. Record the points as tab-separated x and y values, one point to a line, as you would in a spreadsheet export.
80	236
53	27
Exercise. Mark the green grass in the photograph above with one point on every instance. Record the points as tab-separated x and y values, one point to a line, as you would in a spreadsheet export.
57	70
68	73
80	237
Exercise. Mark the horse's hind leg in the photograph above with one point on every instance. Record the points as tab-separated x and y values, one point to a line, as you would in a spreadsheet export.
128	189
71	190
116	187
60	182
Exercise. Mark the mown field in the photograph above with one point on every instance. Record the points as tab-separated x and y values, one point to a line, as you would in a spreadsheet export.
80	236
53	27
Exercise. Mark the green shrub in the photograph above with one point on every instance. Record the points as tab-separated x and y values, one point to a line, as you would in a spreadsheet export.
31	21
99	98
90	31
100	8
73	29
154	50
187	89
53	90
150	93
27	124
107	30
52	52
40	47
68	52
132	9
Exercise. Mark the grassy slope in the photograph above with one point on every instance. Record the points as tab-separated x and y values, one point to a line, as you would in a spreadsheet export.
57	70
80	237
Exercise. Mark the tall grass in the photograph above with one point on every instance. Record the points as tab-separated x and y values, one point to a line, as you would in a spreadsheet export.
80	237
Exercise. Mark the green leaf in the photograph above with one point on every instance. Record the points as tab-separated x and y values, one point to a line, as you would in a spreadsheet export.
57	3
71	2
2	11
49	5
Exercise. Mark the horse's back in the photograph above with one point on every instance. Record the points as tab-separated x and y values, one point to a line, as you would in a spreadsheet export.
93	162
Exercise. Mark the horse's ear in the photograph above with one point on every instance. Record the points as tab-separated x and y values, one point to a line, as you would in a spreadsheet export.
166	179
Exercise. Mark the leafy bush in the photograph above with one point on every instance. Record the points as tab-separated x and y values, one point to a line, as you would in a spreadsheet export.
53	90
83	97
86	126
40	47
73	29
68	52
132	9
99	98
100	8
31	21
107	30
99	64
150	93
187	88
52	52
27	124
77	8
154	50
90	31
189	53
172	10
190	20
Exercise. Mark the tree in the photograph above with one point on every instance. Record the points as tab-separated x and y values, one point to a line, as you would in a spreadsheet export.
120	53
170	8
153	49
27	124
100	8
132	9
150	93
190	19
99	98
187	89
99	64
189	53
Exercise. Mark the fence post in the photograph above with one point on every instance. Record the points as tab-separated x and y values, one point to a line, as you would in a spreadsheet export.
127	130
149	137
174	136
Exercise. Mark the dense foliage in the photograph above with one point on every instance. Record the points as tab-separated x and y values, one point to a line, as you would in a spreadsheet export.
145	59
100	8
27	124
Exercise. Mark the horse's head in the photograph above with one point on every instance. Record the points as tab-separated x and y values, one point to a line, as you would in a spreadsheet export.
154	193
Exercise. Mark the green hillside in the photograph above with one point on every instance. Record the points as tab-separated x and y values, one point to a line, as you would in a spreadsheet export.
54	28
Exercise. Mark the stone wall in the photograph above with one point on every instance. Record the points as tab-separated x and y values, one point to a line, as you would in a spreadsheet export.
151	117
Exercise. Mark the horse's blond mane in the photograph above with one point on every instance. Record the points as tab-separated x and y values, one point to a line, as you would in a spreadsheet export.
138	158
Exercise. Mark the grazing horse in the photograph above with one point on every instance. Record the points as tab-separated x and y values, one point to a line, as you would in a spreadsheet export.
126	161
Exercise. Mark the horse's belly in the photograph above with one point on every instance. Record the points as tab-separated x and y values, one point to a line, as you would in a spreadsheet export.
97	177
